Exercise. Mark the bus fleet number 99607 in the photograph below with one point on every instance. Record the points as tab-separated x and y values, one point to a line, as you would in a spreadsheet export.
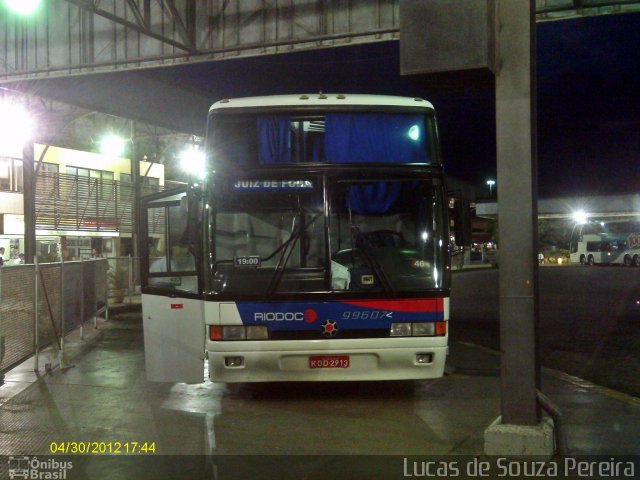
366	315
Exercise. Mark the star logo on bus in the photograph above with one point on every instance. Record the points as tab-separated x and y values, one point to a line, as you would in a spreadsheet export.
329	328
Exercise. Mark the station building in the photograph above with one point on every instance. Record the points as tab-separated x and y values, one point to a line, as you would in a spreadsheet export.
83	202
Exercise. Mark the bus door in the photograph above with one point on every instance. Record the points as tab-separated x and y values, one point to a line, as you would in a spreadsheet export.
172	309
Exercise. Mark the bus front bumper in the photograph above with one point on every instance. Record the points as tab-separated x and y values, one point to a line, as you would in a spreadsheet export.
282	361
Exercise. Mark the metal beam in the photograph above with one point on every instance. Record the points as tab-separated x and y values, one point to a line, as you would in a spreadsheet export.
88	6
140	17
201	53
147	12
186	31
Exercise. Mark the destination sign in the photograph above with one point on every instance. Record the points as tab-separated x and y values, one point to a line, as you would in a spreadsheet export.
272	185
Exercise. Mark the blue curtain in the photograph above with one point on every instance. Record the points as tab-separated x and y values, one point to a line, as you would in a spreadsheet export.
375	138
376	198
273	139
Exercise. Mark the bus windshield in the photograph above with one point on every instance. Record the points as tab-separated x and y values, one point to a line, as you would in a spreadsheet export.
327	235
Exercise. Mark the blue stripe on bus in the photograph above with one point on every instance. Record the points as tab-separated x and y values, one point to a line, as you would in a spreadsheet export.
350	315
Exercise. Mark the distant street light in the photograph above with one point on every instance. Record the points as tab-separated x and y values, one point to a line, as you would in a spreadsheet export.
580	217
491	183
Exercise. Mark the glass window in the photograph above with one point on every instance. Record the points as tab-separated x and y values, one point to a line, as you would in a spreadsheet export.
47	167
6	165
17	176
170	260
156	226
385	236
151	181
340	137
10	174
269	241
77	248
388	235
107	188
181	259
48	178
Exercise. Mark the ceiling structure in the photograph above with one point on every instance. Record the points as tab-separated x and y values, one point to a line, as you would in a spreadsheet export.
161	63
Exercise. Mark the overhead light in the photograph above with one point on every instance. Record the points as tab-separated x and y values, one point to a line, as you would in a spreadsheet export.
192	160
16	127
580	217
112	145
23	7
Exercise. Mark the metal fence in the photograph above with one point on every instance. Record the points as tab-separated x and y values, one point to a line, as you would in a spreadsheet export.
40	304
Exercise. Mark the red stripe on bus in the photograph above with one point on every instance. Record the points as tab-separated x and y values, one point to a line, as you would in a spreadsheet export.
408	305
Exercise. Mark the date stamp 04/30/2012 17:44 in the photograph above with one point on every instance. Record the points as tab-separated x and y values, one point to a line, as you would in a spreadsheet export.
102	448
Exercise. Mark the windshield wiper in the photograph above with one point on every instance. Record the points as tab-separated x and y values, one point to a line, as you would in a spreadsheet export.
369	256
286	252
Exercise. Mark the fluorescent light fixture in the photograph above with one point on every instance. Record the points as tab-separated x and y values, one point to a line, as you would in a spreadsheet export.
16	127
23	7
192	161
112	145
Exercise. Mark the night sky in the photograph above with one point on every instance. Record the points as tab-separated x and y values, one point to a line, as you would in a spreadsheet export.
589	105
588	100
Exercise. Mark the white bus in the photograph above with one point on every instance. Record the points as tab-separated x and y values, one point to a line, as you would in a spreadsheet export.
316	250
606	247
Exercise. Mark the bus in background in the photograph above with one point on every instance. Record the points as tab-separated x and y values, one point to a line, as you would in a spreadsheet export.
317	248
599	243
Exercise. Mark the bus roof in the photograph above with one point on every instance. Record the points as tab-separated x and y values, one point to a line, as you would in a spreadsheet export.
321	100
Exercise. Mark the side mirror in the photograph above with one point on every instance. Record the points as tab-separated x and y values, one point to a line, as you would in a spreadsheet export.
461	216
191	207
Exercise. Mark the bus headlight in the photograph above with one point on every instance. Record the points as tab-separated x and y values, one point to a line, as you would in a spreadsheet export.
257	332
419	329
238	332
424	328
234	332
400	329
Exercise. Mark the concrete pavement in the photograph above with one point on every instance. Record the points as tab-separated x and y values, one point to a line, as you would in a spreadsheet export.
102	396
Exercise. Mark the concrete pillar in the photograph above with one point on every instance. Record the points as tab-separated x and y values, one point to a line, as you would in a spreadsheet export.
520	430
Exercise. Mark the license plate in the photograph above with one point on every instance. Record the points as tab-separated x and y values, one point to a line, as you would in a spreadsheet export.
329	361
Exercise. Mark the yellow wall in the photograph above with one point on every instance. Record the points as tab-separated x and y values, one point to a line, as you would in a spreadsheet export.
156	171
74	158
